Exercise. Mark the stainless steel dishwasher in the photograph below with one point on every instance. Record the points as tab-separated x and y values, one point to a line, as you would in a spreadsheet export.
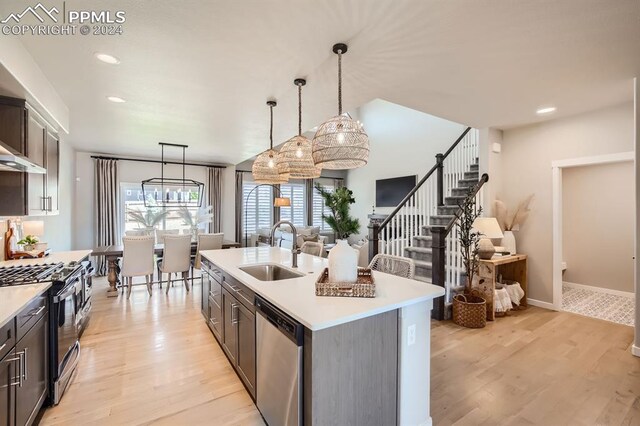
279	365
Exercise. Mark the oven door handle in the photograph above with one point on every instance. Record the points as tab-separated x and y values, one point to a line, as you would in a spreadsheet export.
69	292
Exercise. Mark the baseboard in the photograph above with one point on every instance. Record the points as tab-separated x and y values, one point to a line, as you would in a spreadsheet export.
541	304
599	289
635	350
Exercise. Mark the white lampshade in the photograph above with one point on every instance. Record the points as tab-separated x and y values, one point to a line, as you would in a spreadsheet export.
33	227
488	227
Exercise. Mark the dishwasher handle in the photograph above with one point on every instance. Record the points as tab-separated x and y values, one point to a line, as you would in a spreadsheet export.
292	329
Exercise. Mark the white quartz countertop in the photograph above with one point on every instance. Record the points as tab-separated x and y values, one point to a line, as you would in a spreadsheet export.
297	297
55	257
15	298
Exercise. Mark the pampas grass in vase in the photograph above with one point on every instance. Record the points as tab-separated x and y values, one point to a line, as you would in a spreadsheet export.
512	222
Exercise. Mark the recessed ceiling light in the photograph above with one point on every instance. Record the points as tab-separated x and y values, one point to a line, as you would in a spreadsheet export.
10	163
545	110
107	59
116	99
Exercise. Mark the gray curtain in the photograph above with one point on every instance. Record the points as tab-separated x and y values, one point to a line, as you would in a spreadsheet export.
107	220
214	196
239	183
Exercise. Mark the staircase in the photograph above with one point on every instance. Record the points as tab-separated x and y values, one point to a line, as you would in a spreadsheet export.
421	245
424	225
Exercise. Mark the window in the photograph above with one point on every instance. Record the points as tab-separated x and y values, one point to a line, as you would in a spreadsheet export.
132	199
257	209
297	212
318	205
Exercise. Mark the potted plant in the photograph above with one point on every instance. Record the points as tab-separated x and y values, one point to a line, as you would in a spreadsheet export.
339	202
148	218
29	242
343	260
469	309
193	221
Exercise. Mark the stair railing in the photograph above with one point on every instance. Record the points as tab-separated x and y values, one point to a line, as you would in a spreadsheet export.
447	268
394	234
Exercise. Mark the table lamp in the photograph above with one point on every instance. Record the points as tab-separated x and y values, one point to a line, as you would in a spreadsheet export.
488	228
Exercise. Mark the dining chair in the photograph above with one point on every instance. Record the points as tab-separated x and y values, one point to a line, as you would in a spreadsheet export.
313	248
137	260
394	265
136	233
207	242
176	258
160	234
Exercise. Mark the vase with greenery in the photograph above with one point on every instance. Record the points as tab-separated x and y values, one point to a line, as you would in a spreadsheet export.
28	242
148	218
339	202
194	220
511	221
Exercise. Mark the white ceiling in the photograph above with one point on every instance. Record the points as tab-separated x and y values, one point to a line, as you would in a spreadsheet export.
199	72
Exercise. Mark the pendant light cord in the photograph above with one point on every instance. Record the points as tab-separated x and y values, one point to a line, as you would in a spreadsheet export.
339	82
299	109
271	128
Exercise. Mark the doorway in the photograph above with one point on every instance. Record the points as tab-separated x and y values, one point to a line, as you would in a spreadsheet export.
593	208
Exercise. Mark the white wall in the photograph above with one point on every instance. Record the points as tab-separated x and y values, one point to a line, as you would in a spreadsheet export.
636	97
403	142
598	208
527	153
135	172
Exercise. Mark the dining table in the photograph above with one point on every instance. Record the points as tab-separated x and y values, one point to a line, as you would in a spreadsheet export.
113	252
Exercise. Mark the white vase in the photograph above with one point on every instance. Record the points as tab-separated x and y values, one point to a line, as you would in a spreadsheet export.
509	242
343	263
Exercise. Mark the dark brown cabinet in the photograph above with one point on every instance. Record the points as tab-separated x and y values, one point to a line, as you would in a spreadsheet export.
8	372
24	130
246	354
30	395
24	365
230	314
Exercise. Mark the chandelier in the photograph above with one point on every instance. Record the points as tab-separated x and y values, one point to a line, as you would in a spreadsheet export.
340	142
265	167
172	192
295	156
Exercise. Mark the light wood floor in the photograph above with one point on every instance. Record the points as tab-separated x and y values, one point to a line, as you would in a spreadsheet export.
154	361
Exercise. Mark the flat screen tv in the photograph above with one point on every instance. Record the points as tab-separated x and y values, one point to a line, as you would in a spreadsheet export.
389	192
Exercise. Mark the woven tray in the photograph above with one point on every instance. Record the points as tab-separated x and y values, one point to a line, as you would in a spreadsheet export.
364	287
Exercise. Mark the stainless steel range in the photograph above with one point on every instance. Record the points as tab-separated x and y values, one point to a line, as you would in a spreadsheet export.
70	302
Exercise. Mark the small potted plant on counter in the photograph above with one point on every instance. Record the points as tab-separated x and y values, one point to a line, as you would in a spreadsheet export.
28	243
469	309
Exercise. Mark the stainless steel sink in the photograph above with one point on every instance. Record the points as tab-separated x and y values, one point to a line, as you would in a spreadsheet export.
270	272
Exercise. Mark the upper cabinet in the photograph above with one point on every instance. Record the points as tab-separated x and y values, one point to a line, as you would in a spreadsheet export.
29	194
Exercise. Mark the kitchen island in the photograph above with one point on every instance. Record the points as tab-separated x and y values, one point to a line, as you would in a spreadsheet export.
364	360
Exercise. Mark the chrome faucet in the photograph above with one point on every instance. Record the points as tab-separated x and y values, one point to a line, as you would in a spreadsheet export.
295	251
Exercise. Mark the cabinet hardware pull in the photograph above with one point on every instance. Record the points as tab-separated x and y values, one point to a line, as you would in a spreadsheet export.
18	377
234	319
26	369
36	313
21	368
2	347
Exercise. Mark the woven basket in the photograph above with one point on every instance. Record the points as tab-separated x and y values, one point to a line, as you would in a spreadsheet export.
469	311
363	287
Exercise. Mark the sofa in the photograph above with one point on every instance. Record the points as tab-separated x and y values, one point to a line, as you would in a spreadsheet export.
284	237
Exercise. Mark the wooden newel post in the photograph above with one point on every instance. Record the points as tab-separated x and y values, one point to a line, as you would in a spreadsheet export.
374	239
438	245
440	179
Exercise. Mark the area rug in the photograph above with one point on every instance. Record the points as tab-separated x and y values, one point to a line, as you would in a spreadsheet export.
609	307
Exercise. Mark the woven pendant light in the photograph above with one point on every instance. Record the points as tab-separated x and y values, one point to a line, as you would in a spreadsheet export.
340	142
295	156
265	167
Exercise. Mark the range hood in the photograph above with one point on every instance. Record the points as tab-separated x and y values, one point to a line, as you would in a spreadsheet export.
12	161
